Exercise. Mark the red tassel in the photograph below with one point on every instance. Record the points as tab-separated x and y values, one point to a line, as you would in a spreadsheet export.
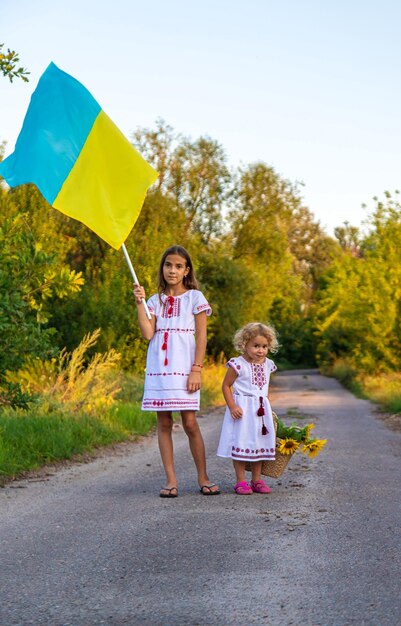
164	345
170	300
261	413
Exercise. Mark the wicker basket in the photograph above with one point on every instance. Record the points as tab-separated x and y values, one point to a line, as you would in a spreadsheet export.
273	468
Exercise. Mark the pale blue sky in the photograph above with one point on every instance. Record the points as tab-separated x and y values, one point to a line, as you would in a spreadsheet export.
311	87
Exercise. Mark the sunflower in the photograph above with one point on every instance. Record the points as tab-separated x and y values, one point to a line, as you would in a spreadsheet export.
313	447
308	429
288	446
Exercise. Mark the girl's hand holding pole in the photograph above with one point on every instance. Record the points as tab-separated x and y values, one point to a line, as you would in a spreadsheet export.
139	293
146	325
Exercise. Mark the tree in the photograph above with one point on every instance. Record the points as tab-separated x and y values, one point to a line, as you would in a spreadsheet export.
193	174
358	306
8	65
200	184
349	238
228	286
312	249
267	238
30	277
259	254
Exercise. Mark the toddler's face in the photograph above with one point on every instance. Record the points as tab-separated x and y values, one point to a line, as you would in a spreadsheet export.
256	349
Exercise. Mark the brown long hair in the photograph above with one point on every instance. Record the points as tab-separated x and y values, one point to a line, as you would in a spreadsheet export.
189	281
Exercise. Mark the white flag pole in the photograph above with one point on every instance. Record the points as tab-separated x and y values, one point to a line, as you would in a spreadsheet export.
136	281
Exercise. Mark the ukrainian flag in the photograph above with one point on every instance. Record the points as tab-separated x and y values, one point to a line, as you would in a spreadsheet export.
80	161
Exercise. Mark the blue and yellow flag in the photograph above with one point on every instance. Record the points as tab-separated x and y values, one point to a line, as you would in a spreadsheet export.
79	160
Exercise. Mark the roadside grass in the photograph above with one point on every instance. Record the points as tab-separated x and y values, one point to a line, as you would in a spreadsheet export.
29	441
39	436
384	389
347	376
36	437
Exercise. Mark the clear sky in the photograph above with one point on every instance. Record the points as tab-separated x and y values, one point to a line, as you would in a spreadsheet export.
311	87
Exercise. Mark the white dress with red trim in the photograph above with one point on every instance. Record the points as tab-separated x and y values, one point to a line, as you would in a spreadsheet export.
251	437
171	352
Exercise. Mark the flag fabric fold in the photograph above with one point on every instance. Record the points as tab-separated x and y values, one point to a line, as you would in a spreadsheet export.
79	160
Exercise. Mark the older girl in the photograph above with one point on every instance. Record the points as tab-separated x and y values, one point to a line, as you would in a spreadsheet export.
177	345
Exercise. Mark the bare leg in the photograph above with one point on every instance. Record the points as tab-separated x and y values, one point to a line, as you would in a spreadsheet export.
256	470
197	447
165	439
260	486
239	467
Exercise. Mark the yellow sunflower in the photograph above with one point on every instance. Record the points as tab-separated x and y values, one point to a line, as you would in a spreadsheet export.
288	446
313	447
308	429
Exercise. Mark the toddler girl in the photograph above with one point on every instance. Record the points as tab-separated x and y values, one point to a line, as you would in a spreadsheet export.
248	432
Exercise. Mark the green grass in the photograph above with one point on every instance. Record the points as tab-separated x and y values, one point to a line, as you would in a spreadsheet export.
384	388
31	439
348	376
131	388
131	420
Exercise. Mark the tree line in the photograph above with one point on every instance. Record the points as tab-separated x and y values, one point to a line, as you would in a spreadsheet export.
259	253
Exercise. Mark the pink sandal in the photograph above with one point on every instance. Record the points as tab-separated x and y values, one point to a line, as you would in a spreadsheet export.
259	486
243	489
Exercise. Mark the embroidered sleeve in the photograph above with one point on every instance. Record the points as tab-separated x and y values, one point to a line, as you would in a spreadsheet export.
235	365
200	304
273	366
152	304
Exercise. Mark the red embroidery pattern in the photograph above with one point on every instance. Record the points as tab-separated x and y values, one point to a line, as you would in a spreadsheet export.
247	453
171	307
202	307
175	330
258	375
179	403
167	374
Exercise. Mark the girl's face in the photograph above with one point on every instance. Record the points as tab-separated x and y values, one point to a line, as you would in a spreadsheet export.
256	349
174	270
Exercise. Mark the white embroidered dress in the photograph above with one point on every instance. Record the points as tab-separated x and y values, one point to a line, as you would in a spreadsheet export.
171	352
242	439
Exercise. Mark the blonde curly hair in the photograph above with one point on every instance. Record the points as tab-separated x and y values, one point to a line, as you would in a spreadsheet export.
253	329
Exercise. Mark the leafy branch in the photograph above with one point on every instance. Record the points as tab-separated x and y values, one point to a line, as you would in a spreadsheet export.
8	65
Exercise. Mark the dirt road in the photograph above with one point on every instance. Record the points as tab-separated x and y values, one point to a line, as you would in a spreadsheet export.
94	544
